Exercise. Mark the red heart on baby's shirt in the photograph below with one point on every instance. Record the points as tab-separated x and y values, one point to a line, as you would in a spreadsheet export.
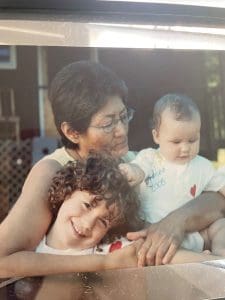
193	190
115	246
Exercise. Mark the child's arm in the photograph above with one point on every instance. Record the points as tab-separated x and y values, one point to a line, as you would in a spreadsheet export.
135	175
30	263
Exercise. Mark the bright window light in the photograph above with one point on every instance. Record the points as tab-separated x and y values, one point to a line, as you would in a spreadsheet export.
208	3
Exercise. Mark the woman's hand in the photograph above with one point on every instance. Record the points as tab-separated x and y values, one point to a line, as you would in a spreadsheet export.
162	240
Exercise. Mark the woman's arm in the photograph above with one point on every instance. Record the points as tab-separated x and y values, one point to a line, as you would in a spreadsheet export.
30	217
164	238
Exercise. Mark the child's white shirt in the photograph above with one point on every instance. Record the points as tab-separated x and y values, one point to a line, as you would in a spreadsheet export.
105	248
168	186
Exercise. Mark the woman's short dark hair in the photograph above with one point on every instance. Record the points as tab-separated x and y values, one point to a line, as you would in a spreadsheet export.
78	91
99	174
181	106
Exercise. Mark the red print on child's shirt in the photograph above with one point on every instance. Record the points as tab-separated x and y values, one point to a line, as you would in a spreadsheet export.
115	246
193	190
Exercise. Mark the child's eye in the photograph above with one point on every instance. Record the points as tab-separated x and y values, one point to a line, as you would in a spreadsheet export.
87	205
104	222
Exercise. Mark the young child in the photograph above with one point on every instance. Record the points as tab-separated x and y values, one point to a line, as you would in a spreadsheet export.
175	173
90	200
93	206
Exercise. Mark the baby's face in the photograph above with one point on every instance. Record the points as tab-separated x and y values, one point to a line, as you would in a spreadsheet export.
178	140
82	222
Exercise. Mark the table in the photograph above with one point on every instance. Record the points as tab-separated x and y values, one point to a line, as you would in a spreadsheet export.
186	281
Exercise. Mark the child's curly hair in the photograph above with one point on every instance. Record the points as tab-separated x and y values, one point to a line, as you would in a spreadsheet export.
99	174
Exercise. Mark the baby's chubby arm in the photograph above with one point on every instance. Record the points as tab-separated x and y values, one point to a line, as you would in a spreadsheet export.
135	175
222	191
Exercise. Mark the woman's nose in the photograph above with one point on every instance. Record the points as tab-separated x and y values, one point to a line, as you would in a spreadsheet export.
120	129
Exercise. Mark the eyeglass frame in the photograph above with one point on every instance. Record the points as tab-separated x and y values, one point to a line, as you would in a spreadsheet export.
111	127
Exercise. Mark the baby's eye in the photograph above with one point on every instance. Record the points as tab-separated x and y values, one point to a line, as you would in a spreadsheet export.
176	142
193	141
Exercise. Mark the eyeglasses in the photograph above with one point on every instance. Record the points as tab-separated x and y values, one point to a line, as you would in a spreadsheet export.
124	118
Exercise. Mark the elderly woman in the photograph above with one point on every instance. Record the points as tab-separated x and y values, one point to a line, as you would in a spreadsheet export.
89	104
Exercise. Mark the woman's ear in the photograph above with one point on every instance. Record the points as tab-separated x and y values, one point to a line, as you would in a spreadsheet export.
70	133
155	135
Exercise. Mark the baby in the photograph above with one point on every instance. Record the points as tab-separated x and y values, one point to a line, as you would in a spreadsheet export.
174	173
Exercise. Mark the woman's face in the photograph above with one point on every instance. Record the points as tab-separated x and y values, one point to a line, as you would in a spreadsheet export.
97	136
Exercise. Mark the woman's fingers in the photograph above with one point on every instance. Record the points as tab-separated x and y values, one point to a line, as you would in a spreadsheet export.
133	236
142	254
161	253
158	248
162	240
170	252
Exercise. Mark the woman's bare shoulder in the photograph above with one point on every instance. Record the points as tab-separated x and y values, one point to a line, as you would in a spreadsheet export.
46	165
41	173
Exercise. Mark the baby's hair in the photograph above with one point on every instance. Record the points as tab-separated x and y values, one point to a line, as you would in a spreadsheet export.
98	174
182	107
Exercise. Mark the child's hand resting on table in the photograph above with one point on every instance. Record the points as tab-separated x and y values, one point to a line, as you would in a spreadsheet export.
125	257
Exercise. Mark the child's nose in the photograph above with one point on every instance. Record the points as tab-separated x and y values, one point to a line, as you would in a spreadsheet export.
88	223
185	147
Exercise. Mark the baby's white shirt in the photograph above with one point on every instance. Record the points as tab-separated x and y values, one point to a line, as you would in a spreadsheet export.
168	186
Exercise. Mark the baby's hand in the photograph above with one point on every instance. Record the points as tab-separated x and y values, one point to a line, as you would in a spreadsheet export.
134	173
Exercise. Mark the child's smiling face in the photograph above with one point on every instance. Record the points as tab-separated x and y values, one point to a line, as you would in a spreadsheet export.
81	223
178	139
